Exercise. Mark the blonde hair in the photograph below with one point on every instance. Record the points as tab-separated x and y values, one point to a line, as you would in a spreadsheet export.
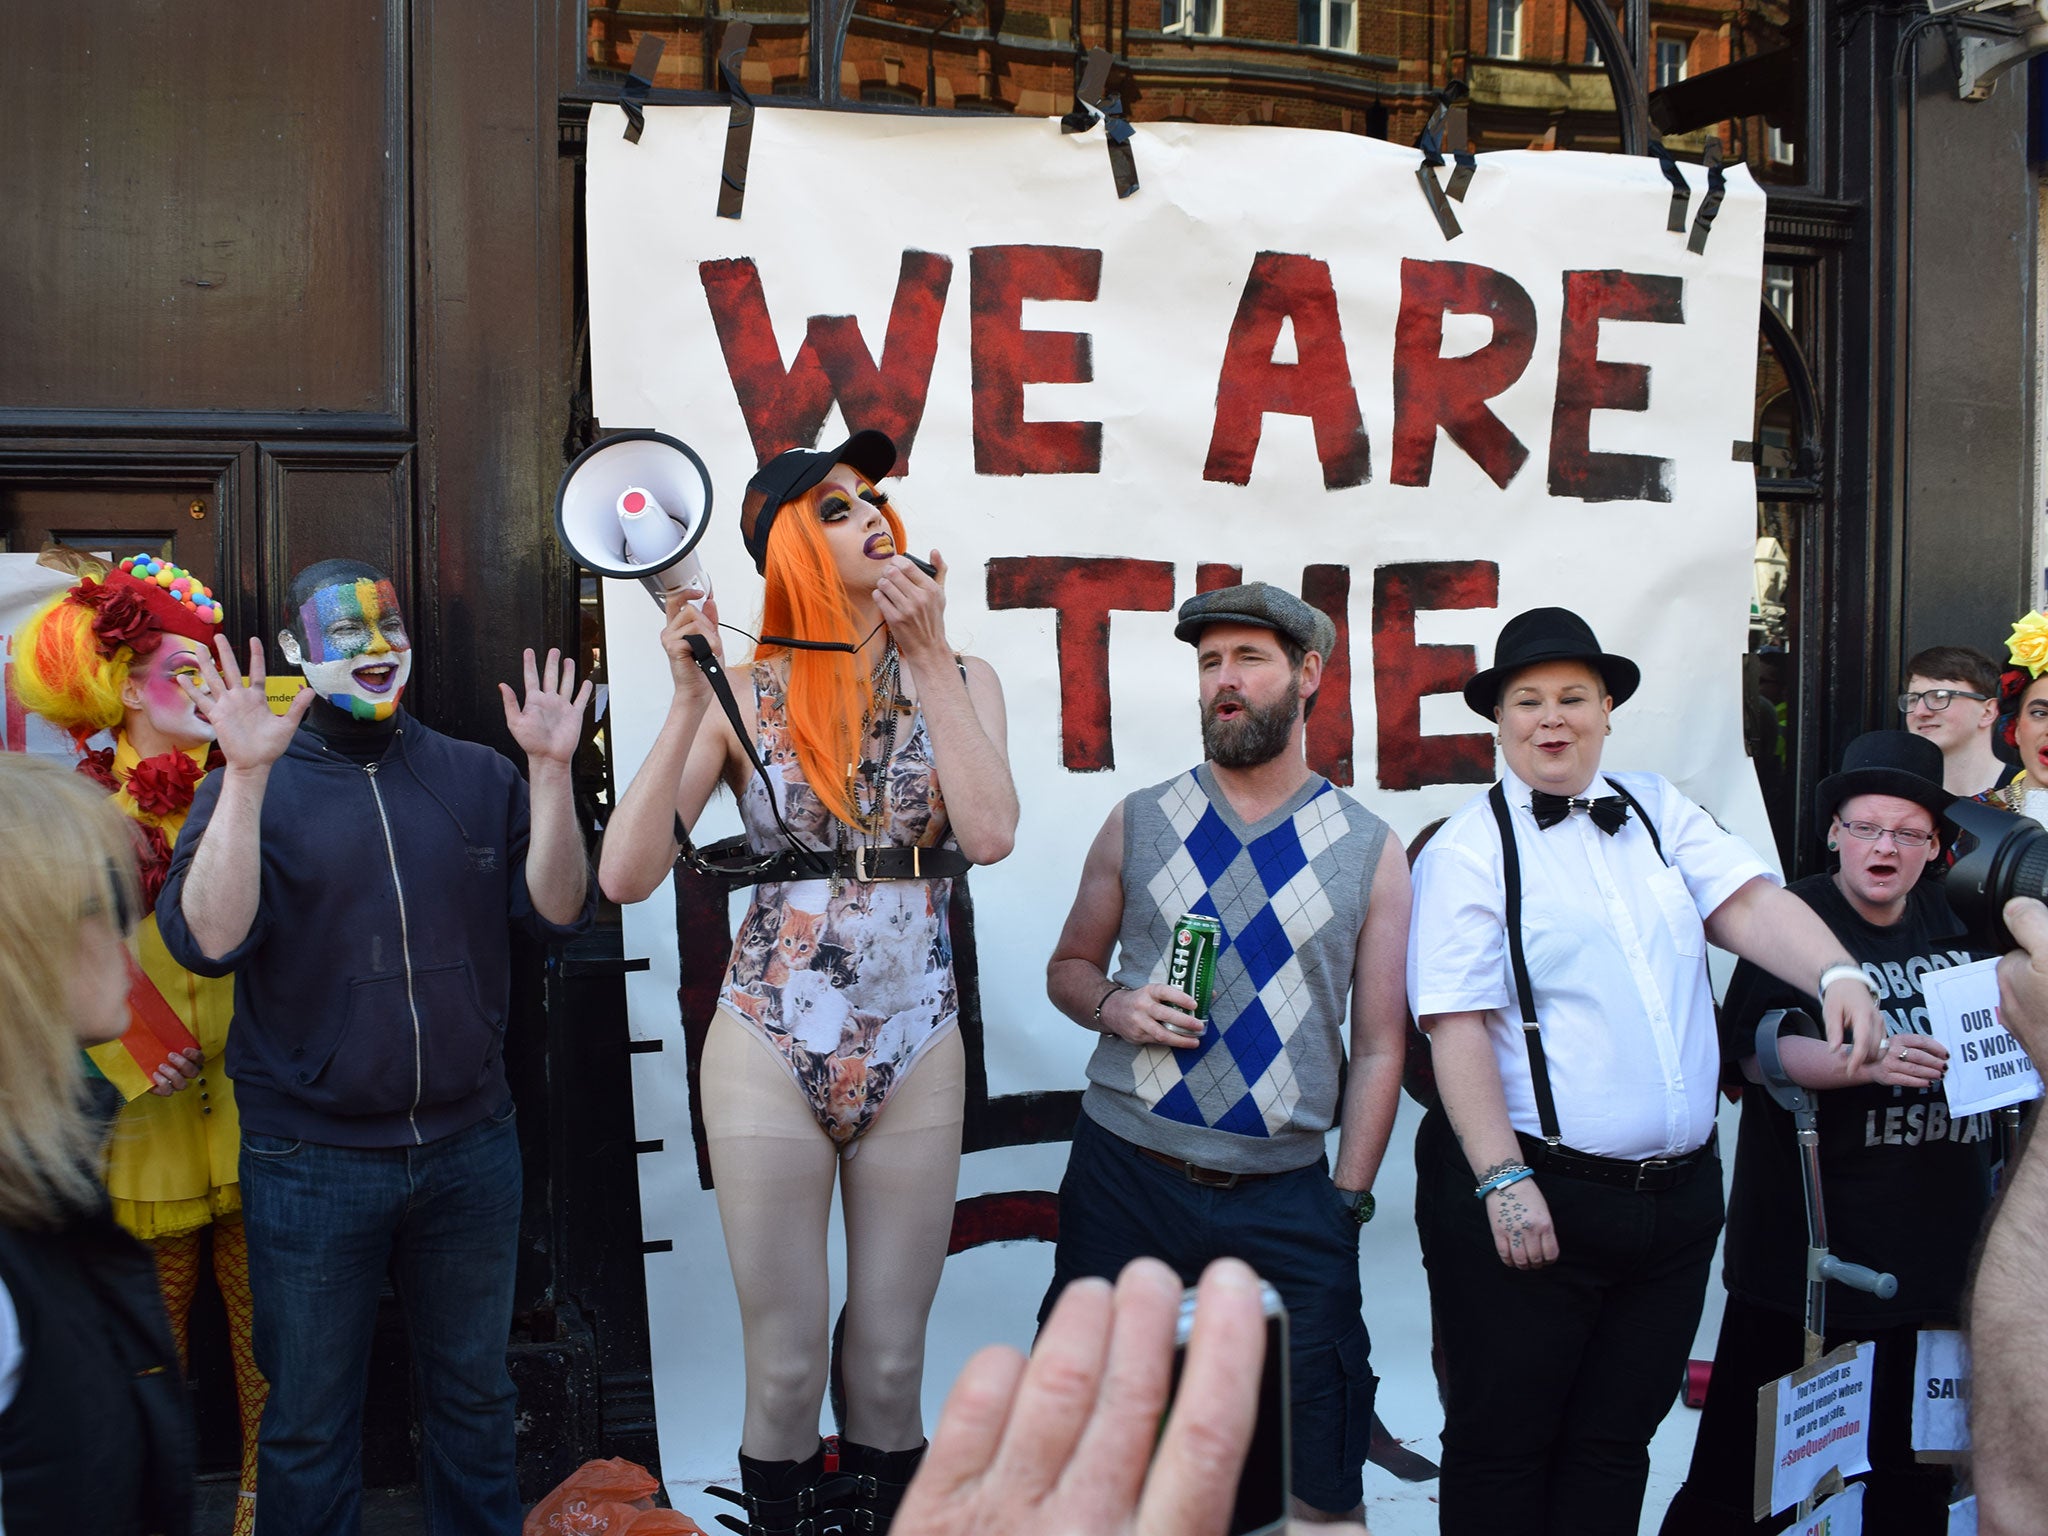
829	691
69	857
60	674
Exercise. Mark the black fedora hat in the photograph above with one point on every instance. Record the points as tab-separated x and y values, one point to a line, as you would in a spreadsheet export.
1548	634
789	474
1887	763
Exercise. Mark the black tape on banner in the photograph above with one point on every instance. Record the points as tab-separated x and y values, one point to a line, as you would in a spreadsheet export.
1458	140
1717	188
1425	174
739	127
1090	103
646	59
1681	189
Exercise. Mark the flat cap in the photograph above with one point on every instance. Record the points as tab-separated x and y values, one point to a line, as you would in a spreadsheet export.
1261	604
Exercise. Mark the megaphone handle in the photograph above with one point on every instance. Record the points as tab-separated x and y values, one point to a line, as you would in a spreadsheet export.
721	688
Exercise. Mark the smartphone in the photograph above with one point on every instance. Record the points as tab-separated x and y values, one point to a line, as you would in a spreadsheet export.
1262	1487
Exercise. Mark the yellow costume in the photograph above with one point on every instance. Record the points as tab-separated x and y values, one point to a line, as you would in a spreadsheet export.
172	1161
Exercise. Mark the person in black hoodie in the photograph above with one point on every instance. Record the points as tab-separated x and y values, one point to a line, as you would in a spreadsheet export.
1906	1184
94	1432
361	876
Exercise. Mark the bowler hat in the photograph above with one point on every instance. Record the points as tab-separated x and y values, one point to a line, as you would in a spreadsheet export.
1548	634
788	475
1262	605
1887	763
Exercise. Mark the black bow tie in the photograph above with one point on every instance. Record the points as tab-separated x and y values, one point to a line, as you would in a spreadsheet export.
1608	812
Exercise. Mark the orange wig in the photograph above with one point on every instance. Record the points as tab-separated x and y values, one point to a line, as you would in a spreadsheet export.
829	691
60	673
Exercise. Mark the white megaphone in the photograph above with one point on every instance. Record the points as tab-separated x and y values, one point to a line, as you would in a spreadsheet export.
633	506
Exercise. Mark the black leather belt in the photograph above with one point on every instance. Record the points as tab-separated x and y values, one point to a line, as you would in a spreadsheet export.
1195	1173
1647	1177
732	860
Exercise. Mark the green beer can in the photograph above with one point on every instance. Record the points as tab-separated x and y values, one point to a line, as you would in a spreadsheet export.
1196	942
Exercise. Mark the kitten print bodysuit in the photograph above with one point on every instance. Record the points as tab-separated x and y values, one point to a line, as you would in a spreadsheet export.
850	988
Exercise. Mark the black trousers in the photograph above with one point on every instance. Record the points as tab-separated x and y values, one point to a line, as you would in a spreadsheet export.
1556	1378
1905	1498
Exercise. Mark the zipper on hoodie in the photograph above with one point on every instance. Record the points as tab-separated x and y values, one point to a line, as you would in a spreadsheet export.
405	954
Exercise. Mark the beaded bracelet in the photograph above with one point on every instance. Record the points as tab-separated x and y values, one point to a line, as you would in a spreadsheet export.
1503	1179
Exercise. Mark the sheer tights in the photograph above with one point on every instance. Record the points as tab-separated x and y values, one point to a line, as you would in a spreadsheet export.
775	1170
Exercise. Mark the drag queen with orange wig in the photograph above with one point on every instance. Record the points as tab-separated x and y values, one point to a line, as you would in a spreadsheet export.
108	655
834	1051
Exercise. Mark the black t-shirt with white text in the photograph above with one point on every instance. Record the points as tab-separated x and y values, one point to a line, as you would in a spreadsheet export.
1904	1186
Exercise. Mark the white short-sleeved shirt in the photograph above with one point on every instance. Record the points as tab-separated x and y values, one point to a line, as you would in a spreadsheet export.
1617	959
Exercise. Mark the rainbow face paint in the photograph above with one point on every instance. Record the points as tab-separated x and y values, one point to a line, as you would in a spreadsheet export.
357	653
168	708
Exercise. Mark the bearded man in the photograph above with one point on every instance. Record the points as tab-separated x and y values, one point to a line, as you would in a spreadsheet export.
1202	1137
361	875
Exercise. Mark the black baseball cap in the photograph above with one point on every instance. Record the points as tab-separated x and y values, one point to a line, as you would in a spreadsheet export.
788	475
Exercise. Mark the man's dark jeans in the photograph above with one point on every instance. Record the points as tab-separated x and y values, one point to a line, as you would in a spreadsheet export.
1116	1204
325	1224
1556	1378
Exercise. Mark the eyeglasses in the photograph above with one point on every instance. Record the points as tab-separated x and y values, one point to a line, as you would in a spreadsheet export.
1904	837
1938	698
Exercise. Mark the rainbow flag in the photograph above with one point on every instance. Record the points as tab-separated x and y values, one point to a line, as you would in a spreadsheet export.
154	1032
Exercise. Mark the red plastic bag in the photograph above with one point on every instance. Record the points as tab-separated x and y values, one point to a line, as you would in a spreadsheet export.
607	1498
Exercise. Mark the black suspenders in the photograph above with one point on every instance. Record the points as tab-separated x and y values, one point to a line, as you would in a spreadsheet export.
1511	869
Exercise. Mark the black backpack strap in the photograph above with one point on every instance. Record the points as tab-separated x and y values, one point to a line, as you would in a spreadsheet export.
811	860
1532	1032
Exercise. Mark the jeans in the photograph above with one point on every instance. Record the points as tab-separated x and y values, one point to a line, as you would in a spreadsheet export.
324	1226
1556	1378
1117	1204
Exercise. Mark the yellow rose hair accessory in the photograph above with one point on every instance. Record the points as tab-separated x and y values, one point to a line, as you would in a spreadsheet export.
2027	645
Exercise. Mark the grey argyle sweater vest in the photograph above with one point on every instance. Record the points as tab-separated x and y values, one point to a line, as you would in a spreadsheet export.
1260	1091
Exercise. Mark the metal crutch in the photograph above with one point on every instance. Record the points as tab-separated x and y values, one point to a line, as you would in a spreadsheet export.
1821	1266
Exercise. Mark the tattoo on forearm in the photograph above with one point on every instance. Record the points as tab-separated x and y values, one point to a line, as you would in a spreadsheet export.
1498	1169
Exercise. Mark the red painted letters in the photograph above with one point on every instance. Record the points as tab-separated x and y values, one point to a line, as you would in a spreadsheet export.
1431	390
1585	385
1402	671
786	409
1318	385
1006	357
1084	592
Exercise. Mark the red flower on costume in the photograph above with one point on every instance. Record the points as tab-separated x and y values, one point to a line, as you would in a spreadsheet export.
120	617
152	862
163	785
99	767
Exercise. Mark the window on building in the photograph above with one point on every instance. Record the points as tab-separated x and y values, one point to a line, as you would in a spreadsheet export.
1504	28
1778	289
1778	148
1671	52
1592	53
1191	18
1327	24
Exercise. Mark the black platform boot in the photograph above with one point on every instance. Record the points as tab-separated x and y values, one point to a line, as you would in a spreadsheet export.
879	1478
787	1498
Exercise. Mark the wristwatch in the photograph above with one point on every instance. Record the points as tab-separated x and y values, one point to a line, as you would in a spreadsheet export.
1361	1203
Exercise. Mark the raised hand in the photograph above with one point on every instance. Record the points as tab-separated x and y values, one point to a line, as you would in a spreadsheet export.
250	734
548	723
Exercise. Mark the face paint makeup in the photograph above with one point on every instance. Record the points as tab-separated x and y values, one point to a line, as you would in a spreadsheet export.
357	653
168	709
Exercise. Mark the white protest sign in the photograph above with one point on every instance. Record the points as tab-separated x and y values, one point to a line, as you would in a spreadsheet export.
1987	1067
1941	1394
1810	1423
1840	1516
1102	404
1962	1517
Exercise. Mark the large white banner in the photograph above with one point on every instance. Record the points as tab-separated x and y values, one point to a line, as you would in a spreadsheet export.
1269	361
